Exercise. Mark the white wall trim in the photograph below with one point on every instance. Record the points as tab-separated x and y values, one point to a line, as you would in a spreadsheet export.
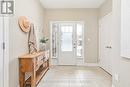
89	64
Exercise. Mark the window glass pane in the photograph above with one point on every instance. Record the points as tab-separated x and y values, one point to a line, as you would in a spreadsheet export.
66	38
79	40
54	40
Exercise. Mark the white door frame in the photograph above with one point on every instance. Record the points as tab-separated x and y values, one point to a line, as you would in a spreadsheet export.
78	59
5	51
1	53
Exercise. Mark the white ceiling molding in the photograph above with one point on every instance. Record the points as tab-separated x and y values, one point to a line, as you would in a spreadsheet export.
72	3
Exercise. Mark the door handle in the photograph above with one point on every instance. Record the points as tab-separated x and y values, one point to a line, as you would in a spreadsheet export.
74	44
109	47
106	47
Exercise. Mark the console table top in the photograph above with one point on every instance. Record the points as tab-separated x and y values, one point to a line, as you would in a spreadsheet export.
32	55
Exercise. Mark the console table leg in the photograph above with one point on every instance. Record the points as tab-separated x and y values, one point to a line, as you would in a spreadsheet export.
22	79
33	80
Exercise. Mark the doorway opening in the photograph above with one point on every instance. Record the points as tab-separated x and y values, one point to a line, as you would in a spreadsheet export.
67	42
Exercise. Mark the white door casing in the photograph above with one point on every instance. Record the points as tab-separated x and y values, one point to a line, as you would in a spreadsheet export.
1	52
67	45
4	51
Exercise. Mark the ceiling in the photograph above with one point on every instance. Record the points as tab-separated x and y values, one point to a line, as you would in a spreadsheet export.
72	3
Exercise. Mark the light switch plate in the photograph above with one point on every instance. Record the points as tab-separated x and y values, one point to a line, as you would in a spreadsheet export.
88	39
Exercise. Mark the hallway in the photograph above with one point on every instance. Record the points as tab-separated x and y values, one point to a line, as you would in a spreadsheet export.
64	43
76	76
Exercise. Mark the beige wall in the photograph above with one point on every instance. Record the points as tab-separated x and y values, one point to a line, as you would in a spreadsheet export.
105	8
18	40
121	66
89	16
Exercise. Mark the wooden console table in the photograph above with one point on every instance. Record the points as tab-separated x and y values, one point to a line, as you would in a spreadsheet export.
35	66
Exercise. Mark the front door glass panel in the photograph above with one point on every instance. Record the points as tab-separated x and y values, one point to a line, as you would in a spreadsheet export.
66	38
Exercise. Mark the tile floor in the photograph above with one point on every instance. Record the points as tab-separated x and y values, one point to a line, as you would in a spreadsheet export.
75	76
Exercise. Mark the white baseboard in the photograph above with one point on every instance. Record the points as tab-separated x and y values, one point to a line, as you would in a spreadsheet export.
54	61
89	64
78	63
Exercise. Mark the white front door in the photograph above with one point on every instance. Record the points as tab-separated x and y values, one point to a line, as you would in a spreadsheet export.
1	52
67	44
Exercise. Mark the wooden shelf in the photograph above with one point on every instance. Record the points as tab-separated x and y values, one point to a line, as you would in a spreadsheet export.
37	68
39	77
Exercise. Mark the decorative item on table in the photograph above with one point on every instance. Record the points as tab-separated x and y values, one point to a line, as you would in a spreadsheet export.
43	43
32	40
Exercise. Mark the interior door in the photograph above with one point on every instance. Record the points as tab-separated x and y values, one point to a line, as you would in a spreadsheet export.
105	43
1	52
67	44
